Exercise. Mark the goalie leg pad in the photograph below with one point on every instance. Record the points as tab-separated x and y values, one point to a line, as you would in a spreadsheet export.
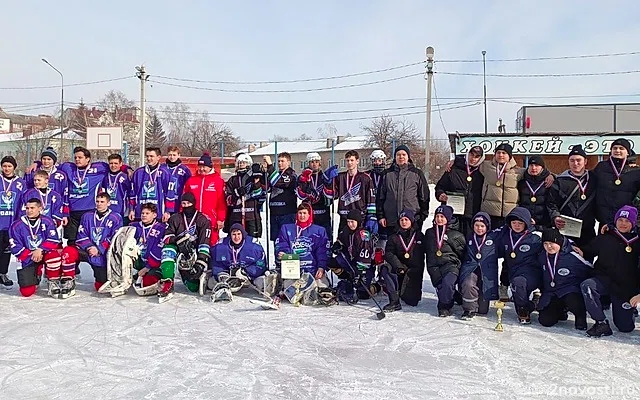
221	292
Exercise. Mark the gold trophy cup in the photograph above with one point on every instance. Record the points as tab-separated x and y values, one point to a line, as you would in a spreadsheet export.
499	305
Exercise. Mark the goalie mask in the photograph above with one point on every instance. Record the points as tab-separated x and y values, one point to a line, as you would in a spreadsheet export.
378	159
243	163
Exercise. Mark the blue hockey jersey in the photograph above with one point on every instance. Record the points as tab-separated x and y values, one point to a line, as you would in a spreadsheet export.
11	200
311	244
487	261
58	182
150	240
52	203
98	232
118	187
84	184
26	236
249	256
151	187
178	177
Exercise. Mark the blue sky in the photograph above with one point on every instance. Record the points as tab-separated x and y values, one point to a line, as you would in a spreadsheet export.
285	40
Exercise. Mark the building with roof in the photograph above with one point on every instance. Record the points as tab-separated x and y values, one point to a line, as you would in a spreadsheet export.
329	149
24	146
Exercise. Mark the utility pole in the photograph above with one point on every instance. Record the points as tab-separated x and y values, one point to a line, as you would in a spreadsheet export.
143	76
427	145
44	60
484	80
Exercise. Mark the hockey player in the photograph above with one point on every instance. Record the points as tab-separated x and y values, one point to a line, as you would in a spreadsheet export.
311	185
378	165
563	272
283	200
352	262
309	242
244	192
52	201
208	190
187	243
445	249
235	262
118	186
58	180
532	193
150	237
13	189
150	184
405	256
94	237
520	248
478	280
35	243
180	173
354	190
615	274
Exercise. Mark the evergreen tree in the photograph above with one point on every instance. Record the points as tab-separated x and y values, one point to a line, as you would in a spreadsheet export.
155	136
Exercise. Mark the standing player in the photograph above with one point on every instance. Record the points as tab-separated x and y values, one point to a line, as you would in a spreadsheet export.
354	190
94	237
58	180
10	203
283	200
244	193
52	201
207	188
150	184
187	243
35	243
118	186
180	173
311	185
378	161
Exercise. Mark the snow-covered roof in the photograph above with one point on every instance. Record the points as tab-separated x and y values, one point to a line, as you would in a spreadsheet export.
308	146
69	134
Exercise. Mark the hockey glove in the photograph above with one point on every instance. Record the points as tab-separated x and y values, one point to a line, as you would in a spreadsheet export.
241	191
239	273
198	268
184	244
256	169
371	225
336	248
306	175
378	257
331	173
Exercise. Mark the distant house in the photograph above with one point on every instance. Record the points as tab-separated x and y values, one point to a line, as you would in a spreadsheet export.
325	147
25	123
28	146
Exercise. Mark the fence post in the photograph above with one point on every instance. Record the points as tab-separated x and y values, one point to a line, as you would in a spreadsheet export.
221	154
393	147
333	152
125	152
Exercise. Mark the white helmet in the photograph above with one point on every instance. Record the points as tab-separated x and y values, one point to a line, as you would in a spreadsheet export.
313	157
244	158
378	155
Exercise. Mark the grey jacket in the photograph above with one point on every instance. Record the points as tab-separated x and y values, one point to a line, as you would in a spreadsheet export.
400	189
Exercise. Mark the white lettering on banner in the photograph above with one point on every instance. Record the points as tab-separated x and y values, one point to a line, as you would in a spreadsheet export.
549	145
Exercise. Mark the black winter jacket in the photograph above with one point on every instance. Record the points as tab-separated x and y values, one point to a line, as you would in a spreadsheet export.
538	208
453	252
563	189
610	197
455	182
400	189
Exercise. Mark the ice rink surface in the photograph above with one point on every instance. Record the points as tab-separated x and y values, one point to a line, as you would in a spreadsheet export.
94	347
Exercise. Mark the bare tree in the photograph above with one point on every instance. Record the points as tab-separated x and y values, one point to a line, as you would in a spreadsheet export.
115	100
439	156
384	131
177	123
327	131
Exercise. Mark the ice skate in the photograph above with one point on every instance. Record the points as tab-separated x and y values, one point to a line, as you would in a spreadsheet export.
5	282
54	288
468	315
600	329
165	293
67	288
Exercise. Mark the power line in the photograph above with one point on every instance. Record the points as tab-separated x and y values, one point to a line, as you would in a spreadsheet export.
322	121
290	81
67	85
541	75
435	93
288	90
582	56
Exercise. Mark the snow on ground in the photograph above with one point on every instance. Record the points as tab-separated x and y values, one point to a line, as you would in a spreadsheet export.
95	347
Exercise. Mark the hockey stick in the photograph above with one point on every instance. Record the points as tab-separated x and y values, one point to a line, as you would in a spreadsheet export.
267	222
380	315
243	214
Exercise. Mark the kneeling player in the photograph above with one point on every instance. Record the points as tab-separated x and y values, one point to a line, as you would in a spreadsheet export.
35	242
94	237
310	243
186	242
564	271
352	262
149	235
237	262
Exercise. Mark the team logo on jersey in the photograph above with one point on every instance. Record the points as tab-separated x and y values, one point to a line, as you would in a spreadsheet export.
34	243
111	192
302	246
47	210
489	242
563	272
80	187
352	195
7	200
524	248
96	234
149	190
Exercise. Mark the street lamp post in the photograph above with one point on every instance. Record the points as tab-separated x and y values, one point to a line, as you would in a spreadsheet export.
427	146
484	82
44	60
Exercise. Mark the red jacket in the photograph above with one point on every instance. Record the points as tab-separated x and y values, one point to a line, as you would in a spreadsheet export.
210	200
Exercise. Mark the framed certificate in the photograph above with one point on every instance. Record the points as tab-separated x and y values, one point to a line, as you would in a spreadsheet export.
572	226
457	202
290	266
